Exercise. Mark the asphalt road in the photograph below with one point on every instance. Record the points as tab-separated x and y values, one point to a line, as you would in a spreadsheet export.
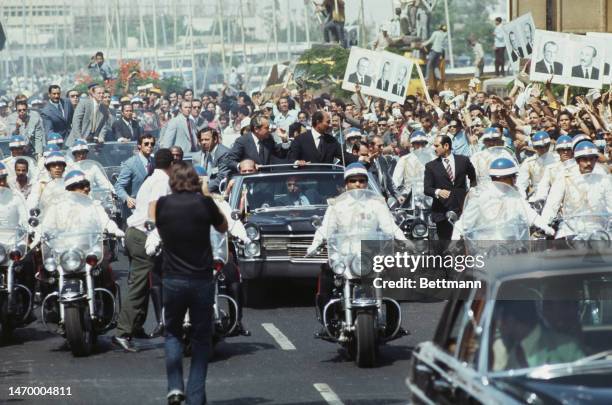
281	363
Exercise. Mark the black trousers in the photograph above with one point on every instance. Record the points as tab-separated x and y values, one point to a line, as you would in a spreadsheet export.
500	61
444	230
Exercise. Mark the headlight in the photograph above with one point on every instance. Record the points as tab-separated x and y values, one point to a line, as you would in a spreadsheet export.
252	231
252	249
50	265
339	268
2	254
356	268
72	260
419	230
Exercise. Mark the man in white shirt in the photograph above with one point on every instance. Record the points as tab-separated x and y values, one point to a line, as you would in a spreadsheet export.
134	308
500	48
478	56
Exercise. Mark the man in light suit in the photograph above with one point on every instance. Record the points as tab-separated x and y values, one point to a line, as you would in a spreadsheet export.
91	118
57	114
27	124
180	130
134	171
213	157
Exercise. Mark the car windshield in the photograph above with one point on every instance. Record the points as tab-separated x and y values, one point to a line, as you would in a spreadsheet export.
111	153
291	189
551	320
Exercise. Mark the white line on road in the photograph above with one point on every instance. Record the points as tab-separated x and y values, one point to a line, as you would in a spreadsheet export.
328	395
280	338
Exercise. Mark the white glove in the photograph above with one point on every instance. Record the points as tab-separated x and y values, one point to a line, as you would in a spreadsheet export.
548	230
119	233
152	243
311	251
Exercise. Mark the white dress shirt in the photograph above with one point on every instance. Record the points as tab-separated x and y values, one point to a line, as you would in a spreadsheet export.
317	137
155	186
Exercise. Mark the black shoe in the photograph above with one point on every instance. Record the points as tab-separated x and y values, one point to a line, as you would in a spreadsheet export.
158	331
125	343
175	397
141	334
239	330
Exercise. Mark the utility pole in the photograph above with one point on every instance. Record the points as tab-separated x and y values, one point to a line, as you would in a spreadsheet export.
448	32
24	57
222	32
364	35
193	63
155	45
307	25
274	24
289	44
242	37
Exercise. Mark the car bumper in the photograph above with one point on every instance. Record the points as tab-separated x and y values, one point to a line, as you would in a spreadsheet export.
279	268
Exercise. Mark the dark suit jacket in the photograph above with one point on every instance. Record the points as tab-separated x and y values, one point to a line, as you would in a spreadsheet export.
606	69
400	92
577	72
367	80
244	148
303	148
54	121
516	55
540	67
382	85
436	177
121	130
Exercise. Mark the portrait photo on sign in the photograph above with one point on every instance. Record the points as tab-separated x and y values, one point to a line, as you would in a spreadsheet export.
360	69
549	56
587	61
606	39
514	42
384	77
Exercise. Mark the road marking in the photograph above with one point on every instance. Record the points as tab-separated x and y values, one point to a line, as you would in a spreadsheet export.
328	395
280	338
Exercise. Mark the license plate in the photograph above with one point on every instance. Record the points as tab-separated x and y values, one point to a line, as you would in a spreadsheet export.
72	287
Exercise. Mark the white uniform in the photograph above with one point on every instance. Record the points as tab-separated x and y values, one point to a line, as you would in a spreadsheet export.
93	173
12	209
554	171
482	161
532	170
409	173
340	217
576	194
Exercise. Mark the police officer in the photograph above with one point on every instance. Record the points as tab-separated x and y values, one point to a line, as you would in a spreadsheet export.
17	146
481	160
503	170
339	219
410	170
96	178
532	168
575	193
55	163
564	148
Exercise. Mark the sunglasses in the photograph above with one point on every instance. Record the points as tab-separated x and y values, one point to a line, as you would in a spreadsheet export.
74	96
148	144
22	109
360	181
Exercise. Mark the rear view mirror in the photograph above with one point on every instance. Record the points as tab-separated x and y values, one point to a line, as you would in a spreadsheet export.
34	212
452	217
33	221
149	225
235	215
316	221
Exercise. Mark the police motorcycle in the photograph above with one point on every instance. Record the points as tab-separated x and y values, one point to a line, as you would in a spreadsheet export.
16	299
72	243
415	220
358	317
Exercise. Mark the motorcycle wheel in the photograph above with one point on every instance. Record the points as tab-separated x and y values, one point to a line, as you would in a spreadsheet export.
79	331
365	336
7	322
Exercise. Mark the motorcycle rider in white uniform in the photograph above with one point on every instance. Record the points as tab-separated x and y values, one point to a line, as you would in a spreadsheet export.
409	168
481	160
532	168
55	163
573	195
96	178
503	170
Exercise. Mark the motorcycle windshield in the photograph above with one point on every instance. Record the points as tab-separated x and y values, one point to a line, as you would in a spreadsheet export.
587	207
218	242
424	156
72	223
494	211
53	192
344	245
12	218
93	171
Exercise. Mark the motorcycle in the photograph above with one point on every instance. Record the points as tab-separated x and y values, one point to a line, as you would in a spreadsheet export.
358	316
84	302
15	298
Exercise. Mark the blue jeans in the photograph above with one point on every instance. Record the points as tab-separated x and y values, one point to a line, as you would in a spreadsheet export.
197	296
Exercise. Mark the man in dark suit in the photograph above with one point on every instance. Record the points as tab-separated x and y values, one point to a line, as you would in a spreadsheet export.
360	76
316	145
257	145
126	128
383	82
213	157
517	51
445	181
586	70
57	114
548	64
399	87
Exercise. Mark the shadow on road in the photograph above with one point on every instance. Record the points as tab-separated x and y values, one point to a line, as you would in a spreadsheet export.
226	350
387	355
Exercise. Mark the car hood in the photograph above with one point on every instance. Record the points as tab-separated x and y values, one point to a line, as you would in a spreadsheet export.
296	220
590	387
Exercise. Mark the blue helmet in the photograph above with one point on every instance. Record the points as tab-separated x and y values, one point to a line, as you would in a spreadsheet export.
55	157
540	138
3	170
50	148
79	145
54	138
355	169
200	170
491	133
564	142
579	138
503	167
584	149
74	177
17	141
418	136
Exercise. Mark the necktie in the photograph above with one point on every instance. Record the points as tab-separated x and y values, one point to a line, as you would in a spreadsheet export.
260	152
190	130
61	109
550	69
149	166
93	118
586	73
208	162
129	125
449	170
